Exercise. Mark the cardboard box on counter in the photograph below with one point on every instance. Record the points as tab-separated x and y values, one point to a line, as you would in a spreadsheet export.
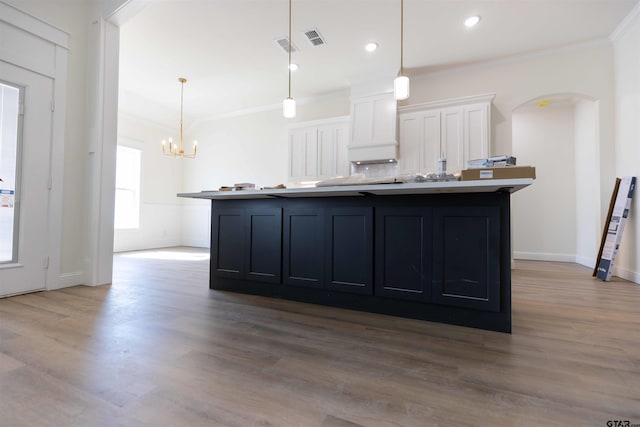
503	172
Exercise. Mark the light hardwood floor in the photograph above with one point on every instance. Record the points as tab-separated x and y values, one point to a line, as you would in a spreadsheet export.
157	347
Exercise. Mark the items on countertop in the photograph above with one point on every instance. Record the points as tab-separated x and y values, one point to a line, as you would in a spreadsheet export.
490	162
500	172
249	186
238	187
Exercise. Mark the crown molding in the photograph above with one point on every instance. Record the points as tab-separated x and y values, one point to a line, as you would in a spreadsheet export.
624	25
18	18
320	122
489	97
145	121
264	108
517	58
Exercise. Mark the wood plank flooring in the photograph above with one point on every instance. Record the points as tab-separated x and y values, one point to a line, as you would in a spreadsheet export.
157	347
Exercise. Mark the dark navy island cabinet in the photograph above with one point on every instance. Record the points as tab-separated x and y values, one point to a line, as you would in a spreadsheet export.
438	257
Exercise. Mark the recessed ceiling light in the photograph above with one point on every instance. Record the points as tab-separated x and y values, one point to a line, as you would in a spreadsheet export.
471	21
293	67
371	47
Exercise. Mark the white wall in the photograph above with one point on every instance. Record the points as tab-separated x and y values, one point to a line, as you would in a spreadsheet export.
584	70
247	148
160	209
588	220
627	138
543	217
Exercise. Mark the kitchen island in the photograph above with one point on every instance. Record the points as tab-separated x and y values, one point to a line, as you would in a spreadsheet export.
437	251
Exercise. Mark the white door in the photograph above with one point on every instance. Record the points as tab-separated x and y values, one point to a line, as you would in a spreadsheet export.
28	173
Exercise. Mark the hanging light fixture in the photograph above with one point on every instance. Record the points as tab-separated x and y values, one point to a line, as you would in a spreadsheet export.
289	104
177	150
401	83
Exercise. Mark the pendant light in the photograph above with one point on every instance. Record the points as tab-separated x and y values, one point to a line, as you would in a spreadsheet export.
177	150
289	104
401	83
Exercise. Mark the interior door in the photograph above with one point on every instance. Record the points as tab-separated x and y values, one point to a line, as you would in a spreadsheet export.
25	147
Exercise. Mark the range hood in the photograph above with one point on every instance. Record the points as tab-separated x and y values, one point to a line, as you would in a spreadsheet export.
373	128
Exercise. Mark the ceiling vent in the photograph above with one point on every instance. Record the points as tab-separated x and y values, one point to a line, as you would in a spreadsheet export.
283	42
314	37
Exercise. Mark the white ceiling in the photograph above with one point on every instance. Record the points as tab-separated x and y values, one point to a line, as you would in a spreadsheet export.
227	52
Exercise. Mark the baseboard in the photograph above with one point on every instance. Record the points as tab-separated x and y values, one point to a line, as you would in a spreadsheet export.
623	273
66	280
586	261
542	256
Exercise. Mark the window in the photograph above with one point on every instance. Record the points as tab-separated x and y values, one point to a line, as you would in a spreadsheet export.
10	137
127	209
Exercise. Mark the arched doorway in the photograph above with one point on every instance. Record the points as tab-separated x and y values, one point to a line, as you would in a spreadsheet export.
559	219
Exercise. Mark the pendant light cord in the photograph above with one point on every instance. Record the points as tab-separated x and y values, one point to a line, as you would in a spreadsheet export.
289	65
181	108
401	37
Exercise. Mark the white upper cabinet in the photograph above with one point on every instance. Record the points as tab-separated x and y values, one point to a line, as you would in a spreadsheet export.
318	150
374	134
457	129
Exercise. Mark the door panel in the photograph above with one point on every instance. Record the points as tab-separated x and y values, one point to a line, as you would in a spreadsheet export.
303	251
227	243
349	244
402	252
466	261
25	271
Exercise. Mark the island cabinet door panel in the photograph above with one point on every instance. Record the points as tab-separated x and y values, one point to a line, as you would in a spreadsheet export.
403	253
303	250
264	248
227	243
349	244
466	257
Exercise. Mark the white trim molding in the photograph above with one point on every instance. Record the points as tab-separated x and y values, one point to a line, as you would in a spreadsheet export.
465	100
621	29
544	256
623	273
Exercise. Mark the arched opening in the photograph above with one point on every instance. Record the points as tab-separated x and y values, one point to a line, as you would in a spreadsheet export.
559	218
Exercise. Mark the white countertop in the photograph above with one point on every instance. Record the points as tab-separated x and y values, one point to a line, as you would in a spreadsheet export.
479	186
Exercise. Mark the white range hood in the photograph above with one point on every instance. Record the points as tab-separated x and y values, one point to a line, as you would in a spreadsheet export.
373	128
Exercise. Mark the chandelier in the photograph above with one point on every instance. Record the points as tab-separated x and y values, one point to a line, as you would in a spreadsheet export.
177	150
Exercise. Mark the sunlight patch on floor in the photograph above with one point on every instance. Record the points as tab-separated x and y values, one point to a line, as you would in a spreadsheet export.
168	255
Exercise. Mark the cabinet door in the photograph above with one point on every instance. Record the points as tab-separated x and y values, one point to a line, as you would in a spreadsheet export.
327	155
402	253
476	131
264	245
303	252
227	243
349	242
451	142
374	119
430	150
410	143
343	167
303	154
466	257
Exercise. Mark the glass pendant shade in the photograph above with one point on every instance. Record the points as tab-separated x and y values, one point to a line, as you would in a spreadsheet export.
289	108
401	88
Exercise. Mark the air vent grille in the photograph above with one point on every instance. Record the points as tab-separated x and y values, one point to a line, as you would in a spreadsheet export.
314	37
283	42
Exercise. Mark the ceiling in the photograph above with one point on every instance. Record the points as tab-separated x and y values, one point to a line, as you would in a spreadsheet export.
226	49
